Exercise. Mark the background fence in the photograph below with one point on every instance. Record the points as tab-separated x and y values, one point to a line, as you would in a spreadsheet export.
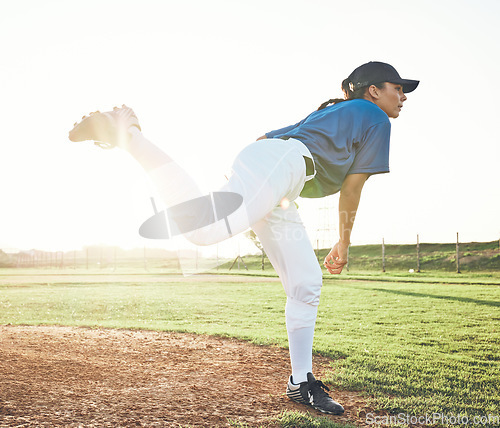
418	257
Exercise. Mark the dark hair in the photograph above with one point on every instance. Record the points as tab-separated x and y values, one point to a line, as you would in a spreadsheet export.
349	94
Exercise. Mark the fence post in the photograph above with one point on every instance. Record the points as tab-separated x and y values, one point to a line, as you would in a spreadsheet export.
383	255
418	254
458	255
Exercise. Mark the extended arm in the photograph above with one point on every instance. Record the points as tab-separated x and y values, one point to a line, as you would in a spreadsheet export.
272	134
350	194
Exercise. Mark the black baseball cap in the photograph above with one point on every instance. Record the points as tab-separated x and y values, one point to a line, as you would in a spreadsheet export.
377	72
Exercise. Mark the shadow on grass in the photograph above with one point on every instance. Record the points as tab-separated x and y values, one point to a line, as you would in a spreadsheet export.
435	296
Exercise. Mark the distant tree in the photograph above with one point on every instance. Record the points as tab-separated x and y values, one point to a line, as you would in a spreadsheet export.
253	237
5	260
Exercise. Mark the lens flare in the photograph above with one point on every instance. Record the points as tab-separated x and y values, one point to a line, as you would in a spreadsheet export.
285	203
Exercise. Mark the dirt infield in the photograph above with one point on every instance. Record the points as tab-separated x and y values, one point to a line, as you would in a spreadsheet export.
78	377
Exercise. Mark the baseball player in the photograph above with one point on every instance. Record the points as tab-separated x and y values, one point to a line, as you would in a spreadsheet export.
334	149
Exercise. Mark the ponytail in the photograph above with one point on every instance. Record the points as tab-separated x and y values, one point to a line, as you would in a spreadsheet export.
330	101
349	93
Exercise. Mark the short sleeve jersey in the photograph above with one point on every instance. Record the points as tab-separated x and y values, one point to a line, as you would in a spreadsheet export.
346	138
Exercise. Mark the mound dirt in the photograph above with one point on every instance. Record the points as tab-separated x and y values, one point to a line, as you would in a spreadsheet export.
79	377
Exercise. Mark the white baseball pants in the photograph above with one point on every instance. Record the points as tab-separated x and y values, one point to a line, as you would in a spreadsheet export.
269	174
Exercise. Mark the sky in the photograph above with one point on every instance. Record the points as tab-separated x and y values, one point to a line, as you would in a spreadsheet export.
206	78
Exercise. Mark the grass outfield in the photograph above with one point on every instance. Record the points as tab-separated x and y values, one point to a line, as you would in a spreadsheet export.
417	347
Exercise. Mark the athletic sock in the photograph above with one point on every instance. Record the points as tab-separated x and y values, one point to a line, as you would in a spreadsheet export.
145	152
300	342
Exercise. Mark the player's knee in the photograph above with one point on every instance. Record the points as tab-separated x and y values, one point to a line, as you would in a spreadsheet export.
209	235
300	315
307	288
199	238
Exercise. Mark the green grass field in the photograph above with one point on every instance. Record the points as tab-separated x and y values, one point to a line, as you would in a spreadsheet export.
416	347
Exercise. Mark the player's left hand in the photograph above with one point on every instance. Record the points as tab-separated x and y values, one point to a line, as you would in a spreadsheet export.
336	258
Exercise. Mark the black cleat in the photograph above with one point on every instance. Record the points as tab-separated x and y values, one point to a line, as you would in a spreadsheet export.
313	393
298	393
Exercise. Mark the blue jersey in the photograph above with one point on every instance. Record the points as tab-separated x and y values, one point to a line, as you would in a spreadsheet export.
346	138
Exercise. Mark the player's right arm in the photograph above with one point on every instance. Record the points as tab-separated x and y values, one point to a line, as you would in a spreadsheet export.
350	195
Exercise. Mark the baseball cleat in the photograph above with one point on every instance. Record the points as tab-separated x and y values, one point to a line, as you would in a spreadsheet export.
313	393
298	393
107	130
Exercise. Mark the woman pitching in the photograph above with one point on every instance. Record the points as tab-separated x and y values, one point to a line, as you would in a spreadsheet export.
334	149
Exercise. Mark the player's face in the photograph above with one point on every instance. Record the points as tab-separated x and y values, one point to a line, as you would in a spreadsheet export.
390	99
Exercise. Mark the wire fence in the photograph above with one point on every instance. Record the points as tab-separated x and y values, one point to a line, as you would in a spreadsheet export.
96	257
418	257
